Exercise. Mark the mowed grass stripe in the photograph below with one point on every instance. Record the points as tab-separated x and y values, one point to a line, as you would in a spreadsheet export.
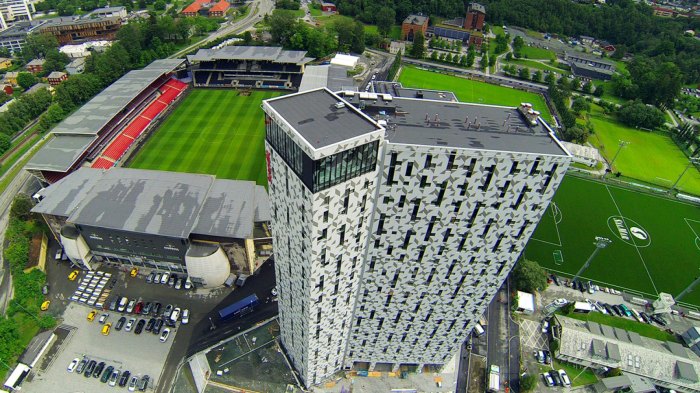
216	132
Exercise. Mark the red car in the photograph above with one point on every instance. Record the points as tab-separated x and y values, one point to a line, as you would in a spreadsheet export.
138	308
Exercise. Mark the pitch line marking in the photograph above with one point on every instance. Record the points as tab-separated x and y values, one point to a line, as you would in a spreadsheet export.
637	192
609	285
697	237
556	226
633	241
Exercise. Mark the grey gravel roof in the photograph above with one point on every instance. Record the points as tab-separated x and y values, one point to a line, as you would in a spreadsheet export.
157	202
270	53
60	153
332	76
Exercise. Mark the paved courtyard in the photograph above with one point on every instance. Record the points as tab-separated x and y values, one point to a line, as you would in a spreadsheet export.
141	354
531	337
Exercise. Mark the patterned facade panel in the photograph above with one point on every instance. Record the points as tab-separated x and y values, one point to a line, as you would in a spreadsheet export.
448	228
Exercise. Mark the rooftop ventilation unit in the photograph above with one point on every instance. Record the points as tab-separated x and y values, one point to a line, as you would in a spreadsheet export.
339	105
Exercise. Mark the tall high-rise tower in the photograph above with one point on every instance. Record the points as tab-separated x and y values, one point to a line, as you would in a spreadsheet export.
395	220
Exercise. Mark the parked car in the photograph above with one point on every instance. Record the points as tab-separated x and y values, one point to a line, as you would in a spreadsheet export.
188	283
164	278
156	278
274	291
175	315
106	328
73	365
113	304
134	272
150	324
185	316
90	368
178	283
547	357
547	379
555	377
659	319
539	356
45	289
645	317
132	384
139	326
98	369
129	325
164	336
608	308
45	305
124	379
73	275
91	315
159	325
81	366
122	304
168	310
171	280
545	326
103	318
156	308
106	374
138	308
150	277
566	382
147	308
625	310
617	310
143	384
120	323
131	305
114	378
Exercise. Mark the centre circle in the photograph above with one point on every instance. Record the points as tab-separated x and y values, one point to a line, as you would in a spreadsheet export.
629	231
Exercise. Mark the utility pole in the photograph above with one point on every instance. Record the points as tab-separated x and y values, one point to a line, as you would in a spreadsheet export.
688	289
600	243
620	145
691	161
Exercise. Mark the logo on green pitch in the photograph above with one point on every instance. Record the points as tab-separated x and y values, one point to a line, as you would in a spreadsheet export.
629	231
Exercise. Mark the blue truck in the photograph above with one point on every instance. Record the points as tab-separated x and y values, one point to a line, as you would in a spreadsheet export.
239	308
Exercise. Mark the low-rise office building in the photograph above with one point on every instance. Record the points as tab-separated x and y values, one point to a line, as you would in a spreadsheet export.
166	221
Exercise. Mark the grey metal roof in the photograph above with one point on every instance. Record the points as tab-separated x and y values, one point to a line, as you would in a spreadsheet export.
621	334
607	331
415	19
598	348
269	53
686	371
62	197
78	22
157	202
614	352
60	153
635	337
314	115
677	349
594	327
461	125
228	210
134	200
332	76
33	350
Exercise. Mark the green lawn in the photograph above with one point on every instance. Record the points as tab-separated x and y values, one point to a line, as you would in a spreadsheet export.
656	249
578	375
217	132
468	90
644	329
532	64
533	52
650	157
315	12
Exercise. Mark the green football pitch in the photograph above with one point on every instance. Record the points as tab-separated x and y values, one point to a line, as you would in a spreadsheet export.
655	241
468	90
217	132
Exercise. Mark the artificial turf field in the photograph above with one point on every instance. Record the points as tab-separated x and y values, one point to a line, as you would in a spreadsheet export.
655	245
217	132
468	90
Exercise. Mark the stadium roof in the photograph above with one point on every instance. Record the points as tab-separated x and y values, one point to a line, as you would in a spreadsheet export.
157	202
314	115
60	153
258	53
95	114
332	76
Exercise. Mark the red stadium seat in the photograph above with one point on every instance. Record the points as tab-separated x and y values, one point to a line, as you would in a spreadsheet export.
153	110
118	146
102	163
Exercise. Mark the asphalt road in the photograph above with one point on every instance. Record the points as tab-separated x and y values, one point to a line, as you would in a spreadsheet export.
503	344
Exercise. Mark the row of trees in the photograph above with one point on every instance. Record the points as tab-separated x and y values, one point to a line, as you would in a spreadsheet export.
441	43
378	12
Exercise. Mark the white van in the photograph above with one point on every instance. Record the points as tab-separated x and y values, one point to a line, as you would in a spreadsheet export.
479	330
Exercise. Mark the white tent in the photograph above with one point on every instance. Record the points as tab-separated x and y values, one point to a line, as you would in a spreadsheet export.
526	303
345	60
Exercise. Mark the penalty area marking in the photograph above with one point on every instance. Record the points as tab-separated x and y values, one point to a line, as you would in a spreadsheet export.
555	212
697	237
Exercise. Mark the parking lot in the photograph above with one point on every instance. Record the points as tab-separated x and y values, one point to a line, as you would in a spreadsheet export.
142	354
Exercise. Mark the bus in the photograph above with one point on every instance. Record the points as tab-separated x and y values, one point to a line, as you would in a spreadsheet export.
239	308
494	378
582	307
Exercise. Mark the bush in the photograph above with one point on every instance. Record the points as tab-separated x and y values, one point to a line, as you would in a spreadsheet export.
528	382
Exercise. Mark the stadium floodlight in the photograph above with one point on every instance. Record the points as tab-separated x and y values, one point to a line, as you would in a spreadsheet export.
692	161
688	289
620	145
600	243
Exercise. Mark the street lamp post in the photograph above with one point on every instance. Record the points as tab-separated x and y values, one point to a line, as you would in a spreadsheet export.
688	289
691	161
600	243
620	145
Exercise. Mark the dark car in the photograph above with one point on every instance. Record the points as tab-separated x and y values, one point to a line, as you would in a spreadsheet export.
138	307
547	358
608	308
645	317
147	308
617	310
106	374
156	308
82	364
555	376
98	370
555	279
139	326
143	384
658	319
113	303
583	287
124	379
90	368
168	310
158	326
120	323
150	324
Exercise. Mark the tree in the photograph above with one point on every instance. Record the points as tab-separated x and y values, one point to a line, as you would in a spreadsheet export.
5	143
509	56
38	45
576	134
529	276
282	26
492	61
599	91
55	61
576	84
384	20
614	372
418	48
550	79
528	382
26	80
518	44
471	56
484	62
524	73
247	37
579	105
433	54
159	5
638	114
21	207
537	76
587	87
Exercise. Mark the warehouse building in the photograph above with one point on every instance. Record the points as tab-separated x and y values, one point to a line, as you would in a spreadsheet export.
163	221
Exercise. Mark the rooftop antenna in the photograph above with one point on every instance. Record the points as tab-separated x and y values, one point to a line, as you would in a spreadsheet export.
478	126
466	119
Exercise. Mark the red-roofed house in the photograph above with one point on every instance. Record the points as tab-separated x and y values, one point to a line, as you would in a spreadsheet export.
206	7
219	9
